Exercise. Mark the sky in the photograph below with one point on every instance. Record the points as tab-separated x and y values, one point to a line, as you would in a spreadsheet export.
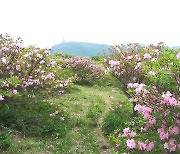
45	23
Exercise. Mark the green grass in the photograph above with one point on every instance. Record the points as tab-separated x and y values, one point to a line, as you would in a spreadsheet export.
87	106
84	108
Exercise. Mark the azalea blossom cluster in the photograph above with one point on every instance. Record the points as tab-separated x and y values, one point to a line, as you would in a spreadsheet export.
147	146
151	77
25	69
178	55
131	143
164	73
157	110
126	63
113	63
155	65
85	69
128	133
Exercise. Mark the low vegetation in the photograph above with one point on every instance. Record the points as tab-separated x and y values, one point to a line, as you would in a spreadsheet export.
127	102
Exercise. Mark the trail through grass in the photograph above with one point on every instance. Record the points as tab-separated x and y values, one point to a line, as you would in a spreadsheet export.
87	106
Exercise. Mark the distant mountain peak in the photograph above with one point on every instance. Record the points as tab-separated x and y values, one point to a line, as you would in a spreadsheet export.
84	49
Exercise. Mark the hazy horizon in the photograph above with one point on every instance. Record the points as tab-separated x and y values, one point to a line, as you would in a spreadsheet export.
46	22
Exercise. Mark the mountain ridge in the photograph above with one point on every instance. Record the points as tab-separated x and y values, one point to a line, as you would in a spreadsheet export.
85	49
81	48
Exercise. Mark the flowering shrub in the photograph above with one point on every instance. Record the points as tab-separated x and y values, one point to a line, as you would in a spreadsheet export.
26	70
164	72
152	65
85	69
150	76
160	113
156	127
126	63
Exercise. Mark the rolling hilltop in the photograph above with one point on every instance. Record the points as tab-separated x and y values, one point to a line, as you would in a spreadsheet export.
84	49
81	48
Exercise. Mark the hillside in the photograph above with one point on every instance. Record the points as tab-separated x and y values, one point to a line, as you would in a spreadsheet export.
126	102
80	48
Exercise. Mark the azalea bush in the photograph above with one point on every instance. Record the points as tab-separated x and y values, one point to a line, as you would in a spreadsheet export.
152	65
156	126
27	70
150	77
160	116
164	72
126	62
29	78
85	69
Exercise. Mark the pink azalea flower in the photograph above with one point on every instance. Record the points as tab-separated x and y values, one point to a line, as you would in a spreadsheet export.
146	92
134	79
132	134
172	148
161	129
166	146
113	90
129	57
3	59
147	56
154	59
133	100
152	73
147	109
50	76
118	145
138	65
14	91
1	98
126	131
130	85
135	85
139	88
168	99
172	145
40	56
145	129
62	119
138	107
152	121
172	142
147	116
172	101
112	63
167	95
142	146
174	130
164	135
18	68
138	91
178	55
131	143
178	146
150	146
53	62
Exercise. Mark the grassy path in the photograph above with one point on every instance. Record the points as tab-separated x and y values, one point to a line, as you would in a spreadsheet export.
87	106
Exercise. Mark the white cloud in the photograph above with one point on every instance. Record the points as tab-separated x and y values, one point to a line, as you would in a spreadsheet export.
46	22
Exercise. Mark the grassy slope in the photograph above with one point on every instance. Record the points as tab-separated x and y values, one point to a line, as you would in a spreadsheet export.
87	106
